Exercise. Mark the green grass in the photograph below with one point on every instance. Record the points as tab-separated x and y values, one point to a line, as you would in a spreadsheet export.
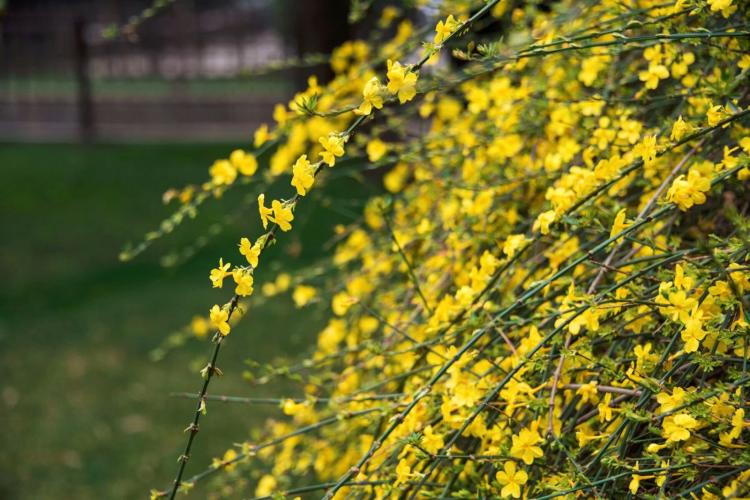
85	413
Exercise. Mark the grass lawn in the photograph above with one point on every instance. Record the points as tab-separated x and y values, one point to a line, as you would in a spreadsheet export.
85	413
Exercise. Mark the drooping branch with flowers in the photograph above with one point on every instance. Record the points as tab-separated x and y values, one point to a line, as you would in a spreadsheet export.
551	300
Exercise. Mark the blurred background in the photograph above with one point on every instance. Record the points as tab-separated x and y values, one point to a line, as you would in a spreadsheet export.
93	130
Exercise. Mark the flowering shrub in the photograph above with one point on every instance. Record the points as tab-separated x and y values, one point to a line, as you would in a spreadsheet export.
551	300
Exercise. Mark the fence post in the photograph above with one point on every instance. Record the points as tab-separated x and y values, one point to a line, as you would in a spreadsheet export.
84	102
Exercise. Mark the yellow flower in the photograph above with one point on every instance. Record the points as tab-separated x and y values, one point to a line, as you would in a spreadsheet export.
693	332
218	274
445	29
265	212
681	280
261	136
679	129
250	251
222	172
226	461
388	15
590	69
395	180
635	481
266	486
686	192
373	97
642	353
376	149
199	326
303	175
333	146
715	114
401	82
303	294
244	162
282	215
588	318
646	149
341	302
669	402
678	305
513	243
652	76
619	224
244	281
605	408
543	221
738	423
677	427
403	471
724	6
511	480
525	447
588	392
431	441
220	319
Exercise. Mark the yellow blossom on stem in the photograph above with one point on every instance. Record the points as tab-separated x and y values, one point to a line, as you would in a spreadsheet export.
619	224
513	243
282	215
715	114
250	251
266	486
401	81
389	13
511	480
265	212
219	319
222	172
373	97
525	447
635	481
688	191
588	318
543	221
590	69
261	136
680	129
218	274
652	76
431	441
724	6
669	402
303	295
303	175
646	149
333	146
226	461
244	281
677	427
693	332
738	424
244	162
199	326
605	408
376	149
403	472
445	29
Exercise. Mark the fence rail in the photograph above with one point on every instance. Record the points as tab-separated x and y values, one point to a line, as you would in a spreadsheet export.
182	78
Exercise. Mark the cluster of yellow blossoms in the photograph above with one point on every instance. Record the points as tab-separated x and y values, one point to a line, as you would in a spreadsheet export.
552	296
